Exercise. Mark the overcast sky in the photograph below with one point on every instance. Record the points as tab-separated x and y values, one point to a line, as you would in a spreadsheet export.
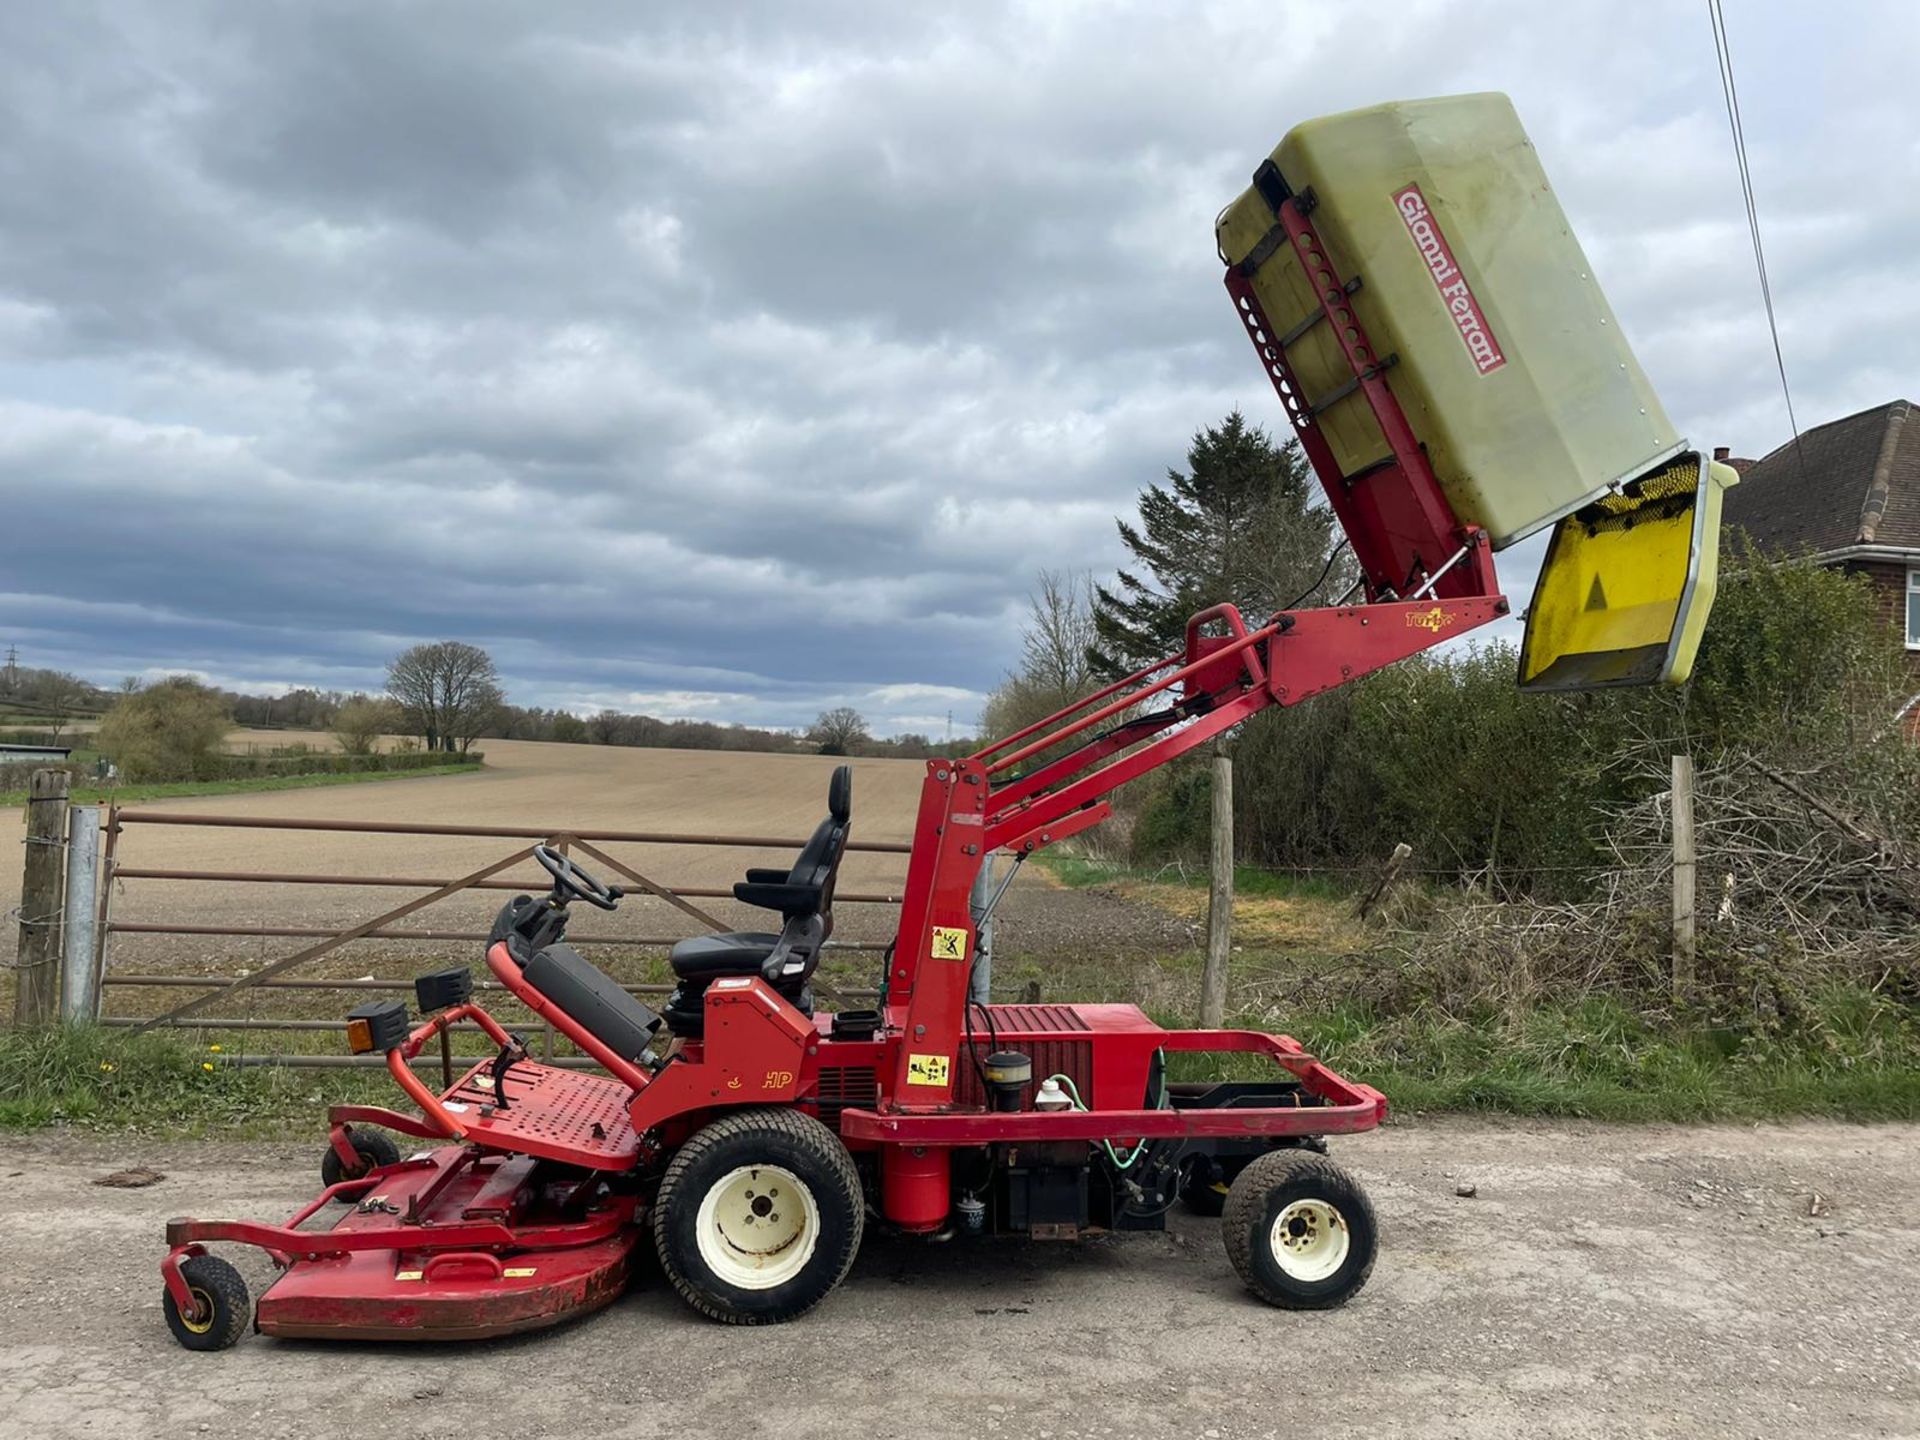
733	361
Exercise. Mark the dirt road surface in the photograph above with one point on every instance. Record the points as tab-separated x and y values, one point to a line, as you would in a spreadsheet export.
1603	1282
527	783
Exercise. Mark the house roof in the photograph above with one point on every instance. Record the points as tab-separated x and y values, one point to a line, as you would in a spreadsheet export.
1849	482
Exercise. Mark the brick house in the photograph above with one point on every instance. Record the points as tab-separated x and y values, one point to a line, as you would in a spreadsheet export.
1849	493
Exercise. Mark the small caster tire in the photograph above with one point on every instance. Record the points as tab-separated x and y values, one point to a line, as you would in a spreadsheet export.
224	1305
375	1149
1299	1231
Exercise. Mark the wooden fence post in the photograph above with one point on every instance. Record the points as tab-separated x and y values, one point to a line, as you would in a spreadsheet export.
1684	861
36	996
1213	979
1388	874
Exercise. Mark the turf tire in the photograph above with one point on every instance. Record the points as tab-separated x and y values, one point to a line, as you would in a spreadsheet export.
765	1136
1266	1188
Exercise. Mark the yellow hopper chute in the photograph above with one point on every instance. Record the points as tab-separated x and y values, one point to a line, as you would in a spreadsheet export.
1628	582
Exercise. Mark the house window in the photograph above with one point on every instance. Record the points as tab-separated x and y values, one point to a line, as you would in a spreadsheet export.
1913	608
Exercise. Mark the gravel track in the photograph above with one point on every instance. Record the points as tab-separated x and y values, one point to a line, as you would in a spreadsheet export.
1605	1281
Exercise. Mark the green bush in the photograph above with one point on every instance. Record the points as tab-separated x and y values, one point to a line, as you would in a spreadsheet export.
169	731
302	760
1444	753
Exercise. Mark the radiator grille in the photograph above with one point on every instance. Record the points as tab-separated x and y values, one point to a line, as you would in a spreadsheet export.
842	1086
1027	1019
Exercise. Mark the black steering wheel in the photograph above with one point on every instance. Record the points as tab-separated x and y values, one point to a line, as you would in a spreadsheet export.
570	882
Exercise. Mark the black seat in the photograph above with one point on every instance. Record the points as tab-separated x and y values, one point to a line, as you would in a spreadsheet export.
803	894
734	952
595	999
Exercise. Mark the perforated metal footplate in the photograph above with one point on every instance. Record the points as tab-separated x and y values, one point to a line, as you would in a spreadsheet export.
563	1115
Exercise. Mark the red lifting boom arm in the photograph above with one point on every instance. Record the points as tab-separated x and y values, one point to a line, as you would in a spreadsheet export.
1408	543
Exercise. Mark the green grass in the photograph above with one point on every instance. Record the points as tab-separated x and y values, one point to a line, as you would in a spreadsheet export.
1249	882
1592	1061
90	1078
128	794
1859	1059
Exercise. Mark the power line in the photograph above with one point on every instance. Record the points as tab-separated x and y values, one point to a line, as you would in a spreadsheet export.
1730	92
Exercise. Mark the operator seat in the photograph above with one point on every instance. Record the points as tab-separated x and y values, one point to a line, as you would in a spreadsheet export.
803	894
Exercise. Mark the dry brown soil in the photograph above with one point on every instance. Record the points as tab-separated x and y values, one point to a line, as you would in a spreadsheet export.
556	787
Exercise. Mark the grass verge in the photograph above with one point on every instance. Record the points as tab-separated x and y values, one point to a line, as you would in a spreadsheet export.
129	794
175	1084
1592	1061
1857	1059
1849	1053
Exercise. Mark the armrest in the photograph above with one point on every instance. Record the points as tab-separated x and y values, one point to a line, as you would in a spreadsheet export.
788	899
762	876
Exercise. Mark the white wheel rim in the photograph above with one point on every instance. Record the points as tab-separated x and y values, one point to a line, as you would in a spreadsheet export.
1309	1240
758	1226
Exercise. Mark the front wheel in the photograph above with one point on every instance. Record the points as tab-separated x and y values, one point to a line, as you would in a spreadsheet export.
759	1216
222	1305
1299	1230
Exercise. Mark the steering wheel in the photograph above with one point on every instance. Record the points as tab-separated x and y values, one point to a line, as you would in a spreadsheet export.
570	882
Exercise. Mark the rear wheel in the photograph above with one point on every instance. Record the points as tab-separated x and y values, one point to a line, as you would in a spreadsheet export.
759	1216
374	1147
1299	1230
222	1305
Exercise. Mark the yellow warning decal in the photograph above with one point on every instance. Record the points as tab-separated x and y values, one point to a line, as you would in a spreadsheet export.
949	943
408	1274
518	1274
927	1069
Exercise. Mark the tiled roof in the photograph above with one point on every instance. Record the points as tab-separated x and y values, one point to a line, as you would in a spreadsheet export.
1849	482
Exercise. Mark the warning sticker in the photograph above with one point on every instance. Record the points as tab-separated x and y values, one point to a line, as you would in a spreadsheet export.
949	943
927	1069
518	1273
408	1274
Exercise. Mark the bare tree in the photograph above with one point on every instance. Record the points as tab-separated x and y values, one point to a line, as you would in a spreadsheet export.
1055	664
837	731
447	692
62	694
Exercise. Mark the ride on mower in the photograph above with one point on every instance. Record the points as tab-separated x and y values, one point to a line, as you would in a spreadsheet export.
750	1138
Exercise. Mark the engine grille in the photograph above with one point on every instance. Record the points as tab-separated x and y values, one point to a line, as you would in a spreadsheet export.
842	1086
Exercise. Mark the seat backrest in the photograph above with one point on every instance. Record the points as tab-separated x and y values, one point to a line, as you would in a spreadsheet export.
818	863
817	869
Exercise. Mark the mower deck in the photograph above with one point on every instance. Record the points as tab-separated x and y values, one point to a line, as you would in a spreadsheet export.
433	1275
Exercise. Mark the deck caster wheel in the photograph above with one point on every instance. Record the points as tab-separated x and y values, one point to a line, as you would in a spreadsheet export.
374	1147
224	1307
1299	1230
759	1217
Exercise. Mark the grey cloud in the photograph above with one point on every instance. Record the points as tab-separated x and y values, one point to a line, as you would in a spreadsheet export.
749	362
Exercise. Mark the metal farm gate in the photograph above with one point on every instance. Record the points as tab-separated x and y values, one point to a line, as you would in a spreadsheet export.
211	1005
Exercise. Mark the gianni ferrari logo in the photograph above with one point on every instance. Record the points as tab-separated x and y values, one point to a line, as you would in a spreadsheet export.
1462	308
1436	619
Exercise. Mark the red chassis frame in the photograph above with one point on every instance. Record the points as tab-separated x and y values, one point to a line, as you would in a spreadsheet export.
444	1273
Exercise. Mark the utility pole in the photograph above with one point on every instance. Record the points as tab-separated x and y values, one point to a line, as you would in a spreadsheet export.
11	675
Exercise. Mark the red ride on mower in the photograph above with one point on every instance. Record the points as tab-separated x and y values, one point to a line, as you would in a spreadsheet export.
751	1139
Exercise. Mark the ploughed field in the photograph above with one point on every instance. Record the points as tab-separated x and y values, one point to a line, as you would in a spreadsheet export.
538	785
